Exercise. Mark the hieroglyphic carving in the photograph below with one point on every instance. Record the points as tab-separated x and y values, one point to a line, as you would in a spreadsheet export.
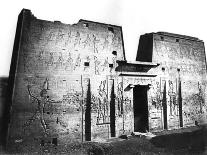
127	105
60	60
77	39
119	98
157	98
95	42
40	57
77	62
103	104
201	98
87	41
178	51
194	104
51	36
51	59
97	63
69	63
172	92
108	40
116	41
60	36
105	64
106	43
28	63
68	40
94	103
72	100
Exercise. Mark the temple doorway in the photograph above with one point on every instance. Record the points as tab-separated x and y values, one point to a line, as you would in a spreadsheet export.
141	123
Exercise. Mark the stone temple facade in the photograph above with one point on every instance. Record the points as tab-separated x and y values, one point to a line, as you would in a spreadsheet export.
72	83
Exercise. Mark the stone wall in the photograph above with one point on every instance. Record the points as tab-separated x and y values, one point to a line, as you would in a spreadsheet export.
57	63
67	83
182	66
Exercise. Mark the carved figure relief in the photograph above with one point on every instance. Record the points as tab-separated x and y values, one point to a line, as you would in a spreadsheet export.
95	43
157	98
51	59
60	61
77	62
68	40
105	64
60	36
103	105
51	36
173	102
128	105
40	102
97	63
119	98
77	39
87	41
69	63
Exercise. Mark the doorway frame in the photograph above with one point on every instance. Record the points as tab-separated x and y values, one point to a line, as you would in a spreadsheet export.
146	87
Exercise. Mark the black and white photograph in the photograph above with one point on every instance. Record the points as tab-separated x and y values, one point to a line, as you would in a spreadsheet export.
103	77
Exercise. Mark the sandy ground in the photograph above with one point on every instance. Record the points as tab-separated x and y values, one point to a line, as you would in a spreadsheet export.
189	141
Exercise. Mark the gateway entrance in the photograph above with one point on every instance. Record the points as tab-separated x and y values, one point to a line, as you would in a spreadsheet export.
140	108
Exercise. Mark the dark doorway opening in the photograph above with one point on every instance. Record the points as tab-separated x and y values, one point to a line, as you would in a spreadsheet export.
140	108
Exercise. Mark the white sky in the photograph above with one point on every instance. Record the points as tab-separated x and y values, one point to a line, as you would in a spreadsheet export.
187	17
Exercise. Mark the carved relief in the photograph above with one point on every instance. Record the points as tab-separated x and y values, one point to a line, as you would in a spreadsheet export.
77	62
127	105
194	105
172	92
41	100
54	55
77	39
51	59
60	61
103	104
105	64
95	43
97	63
119	98
68	40
156	98
28	63
72	100
51	36
69	63
87	41
60	36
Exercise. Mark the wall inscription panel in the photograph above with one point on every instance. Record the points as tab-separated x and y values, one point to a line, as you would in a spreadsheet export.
183	61
50	93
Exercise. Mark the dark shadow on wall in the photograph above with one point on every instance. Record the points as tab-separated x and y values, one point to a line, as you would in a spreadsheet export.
3	94
112	112
12	72
88	114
